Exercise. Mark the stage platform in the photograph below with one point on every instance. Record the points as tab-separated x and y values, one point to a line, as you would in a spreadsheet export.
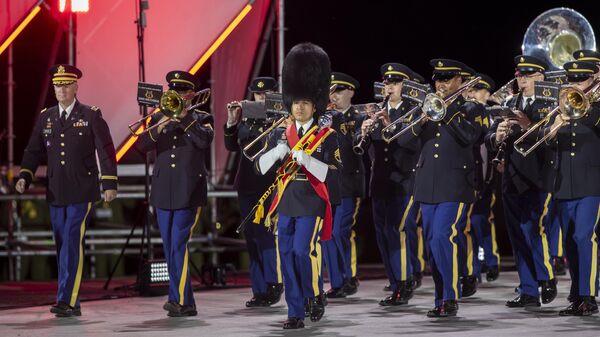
222	313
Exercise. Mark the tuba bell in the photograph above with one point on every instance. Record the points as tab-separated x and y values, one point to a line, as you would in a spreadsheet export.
555	34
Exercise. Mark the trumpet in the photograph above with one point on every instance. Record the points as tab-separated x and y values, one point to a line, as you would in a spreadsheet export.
573	102
172	105
434	106
362	141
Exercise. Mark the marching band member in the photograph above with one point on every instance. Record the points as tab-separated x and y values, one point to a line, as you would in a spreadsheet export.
265	271
526	199
340	251
179	185
310	158
445	181
577	190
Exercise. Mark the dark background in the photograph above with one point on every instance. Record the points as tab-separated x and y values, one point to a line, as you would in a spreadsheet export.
359	37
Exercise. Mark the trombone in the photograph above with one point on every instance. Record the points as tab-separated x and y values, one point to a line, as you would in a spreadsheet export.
260	137
172	104
435	106
573	102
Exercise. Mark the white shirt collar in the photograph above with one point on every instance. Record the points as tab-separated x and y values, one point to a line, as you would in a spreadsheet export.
304	126
69	109
525	98
389	105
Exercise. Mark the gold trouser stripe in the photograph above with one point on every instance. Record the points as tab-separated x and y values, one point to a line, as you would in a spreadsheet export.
594	267
314	263
184	270
319	256
467	233
353	239
403	269
560	242
278	260
544	238
75	292
420	248
492	222
461	206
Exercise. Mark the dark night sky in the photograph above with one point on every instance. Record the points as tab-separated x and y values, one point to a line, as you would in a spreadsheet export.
359	37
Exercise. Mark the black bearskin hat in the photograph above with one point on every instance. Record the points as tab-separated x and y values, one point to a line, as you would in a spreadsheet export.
306	74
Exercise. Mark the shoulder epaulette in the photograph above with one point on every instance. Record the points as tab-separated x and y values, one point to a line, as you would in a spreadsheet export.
94	108
44	109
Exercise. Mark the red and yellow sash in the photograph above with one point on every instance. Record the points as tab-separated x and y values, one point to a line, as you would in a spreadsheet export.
286	173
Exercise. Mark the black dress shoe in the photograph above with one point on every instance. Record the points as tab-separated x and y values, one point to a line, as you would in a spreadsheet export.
273	295
560	267
447	309
492	273
317	308
398	297
259	300
351	287
418	279
571	309
293	323
336	293
387	288
170	306
62	309
583	306
523	301
548	290
469	286
183	310
408	289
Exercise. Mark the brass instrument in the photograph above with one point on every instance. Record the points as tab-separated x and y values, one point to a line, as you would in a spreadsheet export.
435	106
555	34
392	126
249	146
573	102
358	148
501	95
172	104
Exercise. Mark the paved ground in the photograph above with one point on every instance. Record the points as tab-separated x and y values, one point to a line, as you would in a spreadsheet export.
221	313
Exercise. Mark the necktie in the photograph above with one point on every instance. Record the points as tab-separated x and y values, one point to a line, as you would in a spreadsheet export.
301	132
63	116
528	104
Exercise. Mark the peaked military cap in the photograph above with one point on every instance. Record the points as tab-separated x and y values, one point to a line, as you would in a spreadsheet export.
64	74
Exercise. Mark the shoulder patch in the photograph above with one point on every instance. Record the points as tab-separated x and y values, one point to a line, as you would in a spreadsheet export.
94	108
44	109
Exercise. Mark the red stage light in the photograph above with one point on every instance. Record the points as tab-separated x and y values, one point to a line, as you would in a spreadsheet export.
77	6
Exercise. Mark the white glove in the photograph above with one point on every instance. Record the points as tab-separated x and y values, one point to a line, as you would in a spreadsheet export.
281	150
316	167
268	159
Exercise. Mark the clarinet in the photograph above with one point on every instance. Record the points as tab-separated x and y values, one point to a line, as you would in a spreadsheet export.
359	147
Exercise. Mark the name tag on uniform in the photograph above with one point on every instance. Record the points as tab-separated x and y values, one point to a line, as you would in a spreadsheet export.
80	123
319	148
47	131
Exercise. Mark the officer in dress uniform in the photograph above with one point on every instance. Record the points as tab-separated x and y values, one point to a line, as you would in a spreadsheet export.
308	158
525	194
577	190
481	213
265	271
445	180
179	185
392	180
69	135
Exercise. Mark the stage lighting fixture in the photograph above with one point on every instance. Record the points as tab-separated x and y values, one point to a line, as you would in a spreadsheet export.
154	278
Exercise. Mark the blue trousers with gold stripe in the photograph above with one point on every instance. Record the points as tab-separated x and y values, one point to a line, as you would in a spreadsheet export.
579	220
69	224
467	243
391	216
300	252
483	228
416	244
553	228
265	267
340	252
176	229
525	216
441	224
